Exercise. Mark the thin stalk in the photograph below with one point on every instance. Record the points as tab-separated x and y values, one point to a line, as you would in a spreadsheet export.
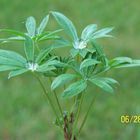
85	118
79	108
57	100
77	114
58	103
38	49
48	97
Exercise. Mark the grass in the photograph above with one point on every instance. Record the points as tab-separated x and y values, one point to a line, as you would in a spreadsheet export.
24	112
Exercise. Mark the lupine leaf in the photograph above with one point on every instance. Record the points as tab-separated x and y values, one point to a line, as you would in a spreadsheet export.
61	80
104	83
101	55
11	58
102	33
43	53
45	67
110	81
60	43
83	52
88	62
29	49
66	24
48	35
74	89
42	25
8	67
16	38
118	61
134	63
56	63
88	31
17	72
31	26
74	52
13	32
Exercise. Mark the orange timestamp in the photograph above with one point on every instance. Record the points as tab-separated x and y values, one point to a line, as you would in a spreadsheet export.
130	119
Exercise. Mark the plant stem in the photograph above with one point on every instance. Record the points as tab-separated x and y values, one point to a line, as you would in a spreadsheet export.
57	100
85	118
58	103
49	99
79	101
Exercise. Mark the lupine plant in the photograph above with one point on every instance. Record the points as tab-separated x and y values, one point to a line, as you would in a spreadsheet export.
70	75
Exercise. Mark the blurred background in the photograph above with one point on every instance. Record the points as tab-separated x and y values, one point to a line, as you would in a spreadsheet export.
24	112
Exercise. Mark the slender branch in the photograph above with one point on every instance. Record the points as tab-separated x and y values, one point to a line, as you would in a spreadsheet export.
58	103
49	99
85	118
79	108
57	100
79	101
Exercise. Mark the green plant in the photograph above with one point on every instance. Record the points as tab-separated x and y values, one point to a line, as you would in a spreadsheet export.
85	64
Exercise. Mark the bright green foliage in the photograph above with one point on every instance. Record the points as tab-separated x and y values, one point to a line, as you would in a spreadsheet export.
31	26
84	65
66	24
29	49
75	89
62	79
88	31
104	83
42	25
11	58
17	72
86	61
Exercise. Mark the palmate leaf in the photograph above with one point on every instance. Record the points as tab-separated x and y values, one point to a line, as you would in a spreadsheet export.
104	83
45	68
14	32
50	65
101	55
74	89
66	24
102	33
42	25
88	31
88	62
29	49
48	35
134	63
56	63
123	62
42	54
31	26
60	43
29	46
120	60
74	52
62	79
17	72
11	58
8	67
15	38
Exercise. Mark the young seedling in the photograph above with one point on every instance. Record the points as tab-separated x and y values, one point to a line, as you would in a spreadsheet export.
84	65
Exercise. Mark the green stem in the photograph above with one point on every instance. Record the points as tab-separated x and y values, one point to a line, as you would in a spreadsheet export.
58	103
79	102
57	100
38	49
85	118
48	97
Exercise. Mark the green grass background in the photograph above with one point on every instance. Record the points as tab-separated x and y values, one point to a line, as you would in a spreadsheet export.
24	112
